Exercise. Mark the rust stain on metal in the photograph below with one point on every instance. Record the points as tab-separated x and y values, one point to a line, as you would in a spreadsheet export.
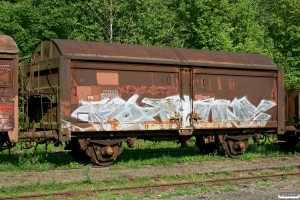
65	108
6	107
212	124
231	84
204	96
209	81
219	84
146	126
73	81
84	92
198	97
96	90
274	91
174	83
115	124
108	78
152	79
131	89
202	82
162	90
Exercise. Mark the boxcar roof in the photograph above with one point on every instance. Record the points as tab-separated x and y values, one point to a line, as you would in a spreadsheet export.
8	45
158	55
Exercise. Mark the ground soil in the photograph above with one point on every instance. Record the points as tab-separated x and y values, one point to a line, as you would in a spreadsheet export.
251	191
28	177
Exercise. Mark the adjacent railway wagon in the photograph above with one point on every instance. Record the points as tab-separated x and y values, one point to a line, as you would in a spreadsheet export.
8	91
97	95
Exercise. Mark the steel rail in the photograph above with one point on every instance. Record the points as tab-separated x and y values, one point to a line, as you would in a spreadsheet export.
178	162
149	164
162	187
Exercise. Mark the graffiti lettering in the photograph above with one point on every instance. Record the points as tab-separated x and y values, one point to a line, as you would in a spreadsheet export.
241	114
212	112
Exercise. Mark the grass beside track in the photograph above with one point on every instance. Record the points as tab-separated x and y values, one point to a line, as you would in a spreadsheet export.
198	192
89	184
145	152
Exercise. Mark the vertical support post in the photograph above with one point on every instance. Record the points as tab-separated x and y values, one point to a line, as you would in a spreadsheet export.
9	153
280	102
38	78
64	103
46	149
186	99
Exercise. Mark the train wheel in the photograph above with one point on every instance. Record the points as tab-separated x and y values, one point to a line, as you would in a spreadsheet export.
206	148
288	142
77	153
104	155
235	146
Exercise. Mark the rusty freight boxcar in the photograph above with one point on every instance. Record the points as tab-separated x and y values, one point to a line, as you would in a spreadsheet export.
97	95
8	91
291	137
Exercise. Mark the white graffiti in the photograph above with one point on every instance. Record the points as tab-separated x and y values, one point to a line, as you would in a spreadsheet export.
3	125
2	121
122	111
212	112
239	112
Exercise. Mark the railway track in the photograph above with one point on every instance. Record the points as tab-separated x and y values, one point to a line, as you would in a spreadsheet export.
179	162
149	164
164	187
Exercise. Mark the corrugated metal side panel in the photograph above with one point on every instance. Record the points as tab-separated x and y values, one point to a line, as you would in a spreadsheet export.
112	97
235	99
6	95
6	109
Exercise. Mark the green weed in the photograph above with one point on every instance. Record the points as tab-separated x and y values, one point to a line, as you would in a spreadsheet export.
265	184
86	171
179	192
251	173
285	169
114	196
203	187
211	175
229	173
228	188
266	179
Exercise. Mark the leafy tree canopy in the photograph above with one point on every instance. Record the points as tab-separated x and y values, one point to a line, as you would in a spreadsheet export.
271	28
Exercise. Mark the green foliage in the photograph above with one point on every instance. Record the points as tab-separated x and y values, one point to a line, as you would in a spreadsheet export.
29	21
206	24
282	21
42	162
86	171
286	169
179	192
228	188
266	27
